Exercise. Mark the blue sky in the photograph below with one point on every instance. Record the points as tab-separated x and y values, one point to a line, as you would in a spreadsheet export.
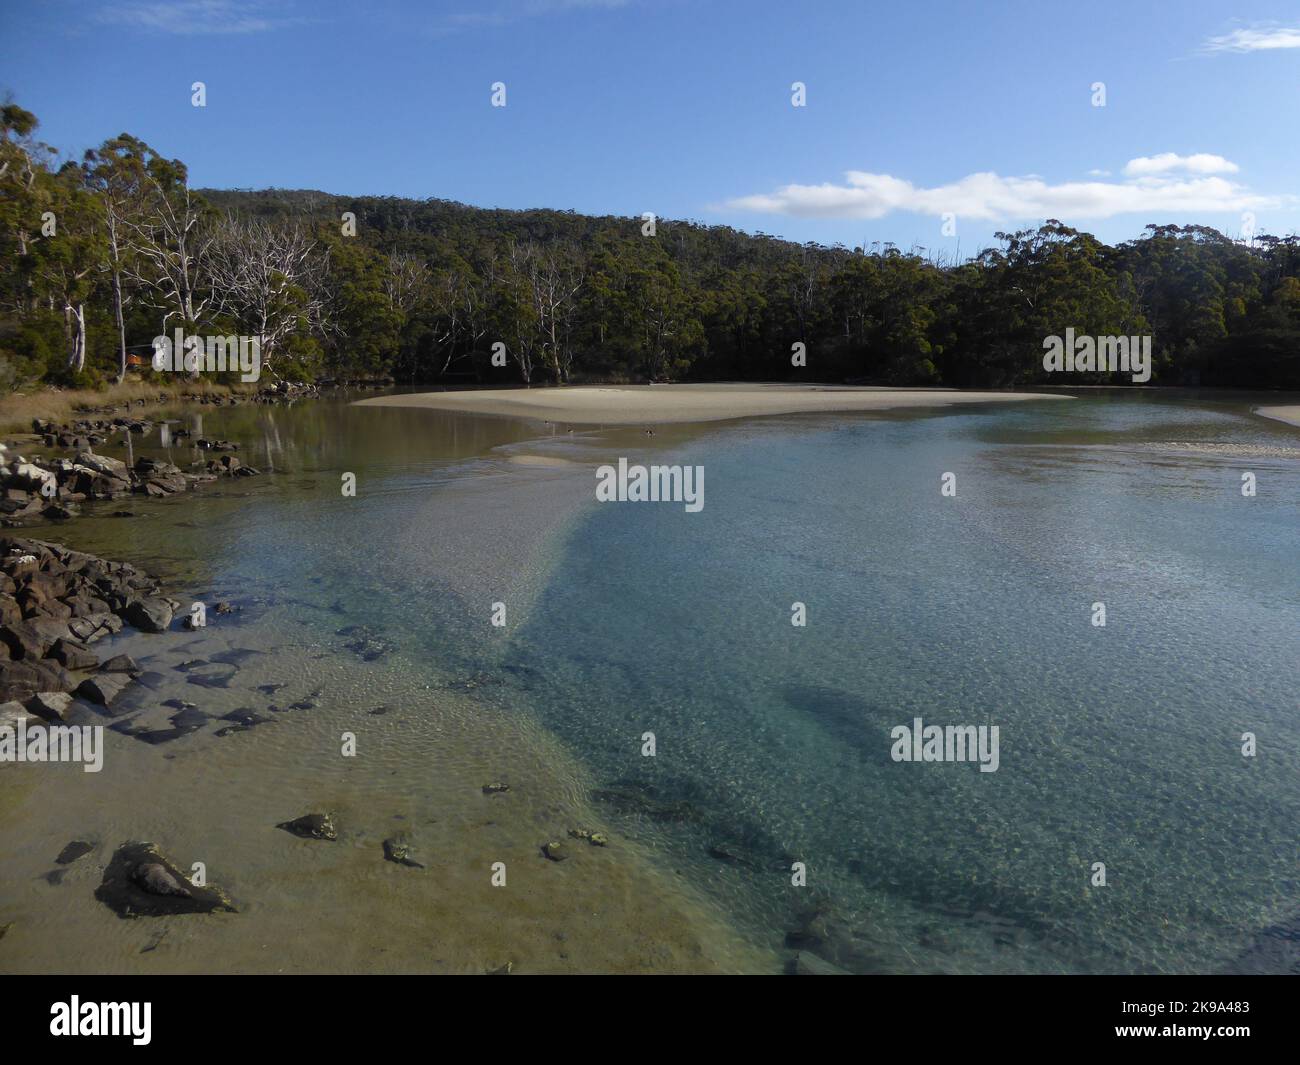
683	107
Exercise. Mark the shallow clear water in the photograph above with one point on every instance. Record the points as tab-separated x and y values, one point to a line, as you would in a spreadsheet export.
1119	744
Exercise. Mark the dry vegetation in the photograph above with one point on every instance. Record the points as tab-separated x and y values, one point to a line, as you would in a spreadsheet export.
63	404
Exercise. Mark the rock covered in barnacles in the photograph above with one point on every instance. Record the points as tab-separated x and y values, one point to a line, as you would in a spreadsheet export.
398	849
596	839
311	826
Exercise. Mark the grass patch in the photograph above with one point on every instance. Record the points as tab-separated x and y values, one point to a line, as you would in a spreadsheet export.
65	404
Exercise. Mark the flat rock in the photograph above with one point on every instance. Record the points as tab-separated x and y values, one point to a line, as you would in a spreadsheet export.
119	664
93	626
13	714
152	614
21	680
102	464
52	706
103	688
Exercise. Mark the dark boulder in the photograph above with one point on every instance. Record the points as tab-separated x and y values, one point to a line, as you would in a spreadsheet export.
149	615
141	882
73	655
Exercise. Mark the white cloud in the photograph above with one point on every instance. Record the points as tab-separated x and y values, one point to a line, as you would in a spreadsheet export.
1167	162
1161	184
1256	39
192	17
512	11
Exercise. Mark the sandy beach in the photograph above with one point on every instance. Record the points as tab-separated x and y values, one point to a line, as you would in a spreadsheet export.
661	404
1289	414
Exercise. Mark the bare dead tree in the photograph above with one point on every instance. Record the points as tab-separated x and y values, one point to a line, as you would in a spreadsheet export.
270	279
549	280
170	245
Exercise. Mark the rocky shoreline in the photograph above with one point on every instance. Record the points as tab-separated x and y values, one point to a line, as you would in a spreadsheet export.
54	603
57	602
51	489
44	488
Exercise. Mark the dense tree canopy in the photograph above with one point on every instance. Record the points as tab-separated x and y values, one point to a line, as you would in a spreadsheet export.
101	255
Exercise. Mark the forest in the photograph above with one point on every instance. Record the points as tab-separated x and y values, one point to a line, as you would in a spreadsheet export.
104	253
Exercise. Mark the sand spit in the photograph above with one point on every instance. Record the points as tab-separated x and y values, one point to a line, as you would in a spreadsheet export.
1290	414
659	404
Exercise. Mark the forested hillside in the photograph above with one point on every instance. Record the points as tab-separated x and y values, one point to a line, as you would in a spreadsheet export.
104	253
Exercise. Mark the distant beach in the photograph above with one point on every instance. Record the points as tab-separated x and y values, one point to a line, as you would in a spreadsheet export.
1289	414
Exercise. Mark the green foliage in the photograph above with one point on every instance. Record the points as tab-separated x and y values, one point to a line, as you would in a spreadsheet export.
424	290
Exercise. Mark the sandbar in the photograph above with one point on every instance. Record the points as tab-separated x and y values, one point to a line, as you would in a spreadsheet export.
661	404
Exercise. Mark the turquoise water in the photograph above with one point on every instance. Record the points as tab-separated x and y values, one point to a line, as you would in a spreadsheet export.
1119	745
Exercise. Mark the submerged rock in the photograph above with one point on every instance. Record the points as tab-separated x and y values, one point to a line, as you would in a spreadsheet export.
495	789
78	848
311	826
185	721
555	851
236	656
119	664
807	964
140	881
214	676
643	801
246	717
365	642
732	853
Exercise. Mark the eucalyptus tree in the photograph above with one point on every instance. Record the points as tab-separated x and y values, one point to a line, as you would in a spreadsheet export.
116	173
69	253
